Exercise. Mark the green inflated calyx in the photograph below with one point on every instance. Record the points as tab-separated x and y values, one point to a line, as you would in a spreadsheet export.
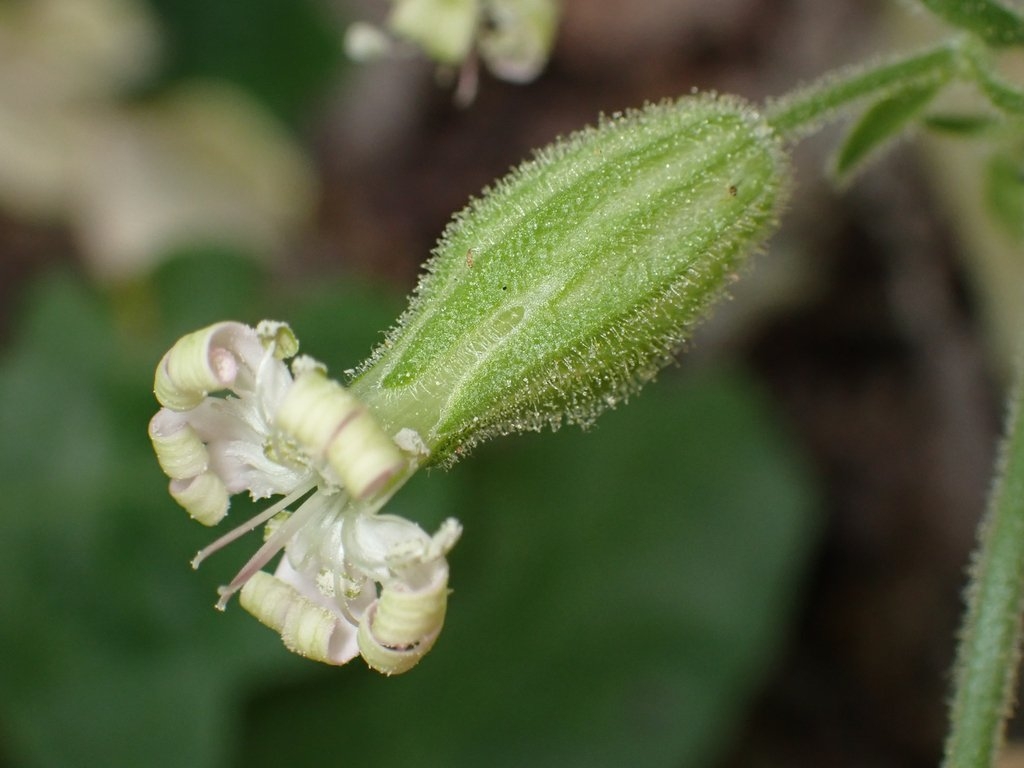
572	281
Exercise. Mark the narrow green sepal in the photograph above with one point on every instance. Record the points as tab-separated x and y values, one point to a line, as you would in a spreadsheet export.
881	123
574	280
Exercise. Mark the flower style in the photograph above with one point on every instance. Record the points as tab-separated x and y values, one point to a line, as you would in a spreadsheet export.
351	581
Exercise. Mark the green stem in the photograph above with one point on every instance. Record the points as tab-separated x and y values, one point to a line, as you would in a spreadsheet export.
805	110
986	667
988	655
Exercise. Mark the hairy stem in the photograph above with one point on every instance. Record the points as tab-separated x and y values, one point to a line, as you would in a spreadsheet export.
805	110
986	667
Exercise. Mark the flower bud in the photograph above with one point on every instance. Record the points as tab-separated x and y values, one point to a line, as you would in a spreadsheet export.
572	281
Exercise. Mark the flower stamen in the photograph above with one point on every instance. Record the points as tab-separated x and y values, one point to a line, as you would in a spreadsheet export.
251	524
274	544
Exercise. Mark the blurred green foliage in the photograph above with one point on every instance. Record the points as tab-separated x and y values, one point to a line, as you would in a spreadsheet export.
618	594
284	52
880	124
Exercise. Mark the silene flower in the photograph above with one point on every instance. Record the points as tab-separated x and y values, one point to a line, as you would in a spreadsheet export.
556	295
352	581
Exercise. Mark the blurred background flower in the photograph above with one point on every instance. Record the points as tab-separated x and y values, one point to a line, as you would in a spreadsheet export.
757	562
513	38
135	178
62	64
201	164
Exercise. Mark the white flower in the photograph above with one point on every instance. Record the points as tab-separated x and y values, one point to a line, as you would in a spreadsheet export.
352	581
136	180
203	163
512	37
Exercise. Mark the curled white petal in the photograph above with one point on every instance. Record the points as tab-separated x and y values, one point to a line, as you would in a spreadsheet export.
404	623
305	627
204	497
309	623
388	547
338	563
179	450
335	428
391	660
205	361
228	437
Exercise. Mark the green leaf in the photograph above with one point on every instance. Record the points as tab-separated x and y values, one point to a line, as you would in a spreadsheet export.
964	125
101	611
1004	192
197	286
880	124
339	321
618	596
994	22
284	52
626	584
